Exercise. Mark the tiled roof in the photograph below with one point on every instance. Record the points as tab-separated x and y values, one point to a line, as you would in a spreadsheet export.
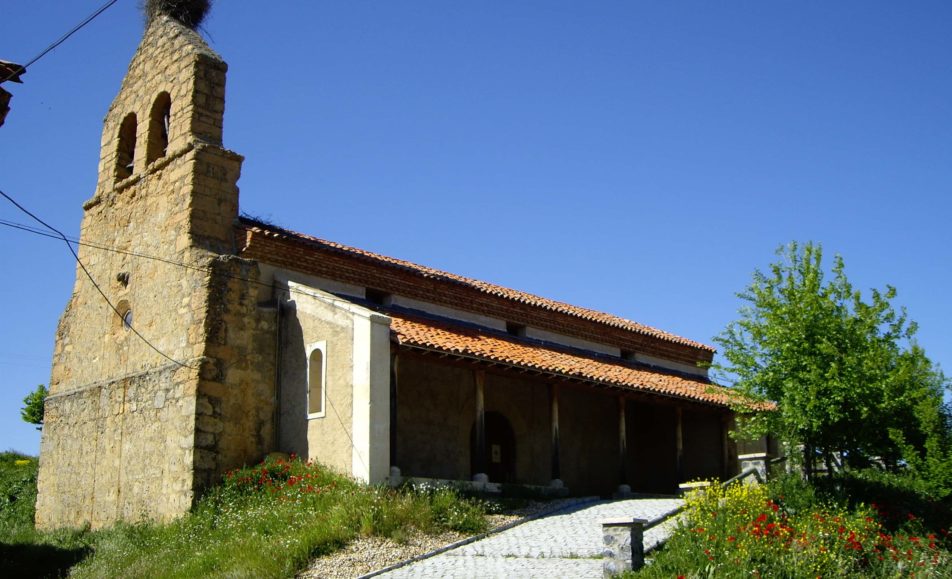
492	346
484	287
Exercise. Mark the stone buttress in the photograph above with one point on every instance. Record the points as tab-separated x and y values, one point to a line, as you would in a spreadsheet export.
137	426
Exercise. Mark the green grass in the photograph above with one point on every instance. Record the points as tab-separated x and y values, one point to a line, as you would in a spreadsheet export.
23	551
263	521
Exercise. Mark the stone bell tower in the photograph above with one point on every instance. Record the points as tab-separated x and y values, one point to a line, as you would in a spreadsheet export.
163	369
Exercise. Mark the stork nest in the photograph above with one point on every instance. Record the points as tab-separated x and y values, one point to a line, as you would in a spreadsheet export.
191	13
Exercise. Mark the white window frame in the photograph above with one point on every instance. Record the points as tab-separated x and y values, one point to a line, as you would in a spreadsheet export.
322	347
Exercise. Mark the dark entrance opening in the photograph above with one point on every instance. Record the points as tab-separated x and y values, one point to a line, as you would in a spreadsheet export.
500	451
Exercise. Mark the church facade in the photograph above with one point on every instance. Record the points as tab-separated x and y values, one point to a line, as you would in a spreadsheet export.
196	341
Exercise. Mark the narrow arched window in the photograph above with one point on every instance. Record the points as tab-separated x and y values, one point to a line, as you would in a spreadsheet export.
159	119
123	318
316	387
126	149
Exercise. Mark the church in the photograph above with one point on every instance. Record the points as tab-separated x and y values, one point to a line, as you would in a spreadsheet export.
196	341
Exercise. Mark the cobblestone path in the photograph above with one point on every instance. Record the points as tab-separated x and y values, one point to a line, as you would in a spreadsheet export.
567	543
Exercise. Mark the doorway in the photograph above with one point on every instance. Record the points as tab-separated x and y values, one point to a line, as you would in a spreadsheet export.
500	449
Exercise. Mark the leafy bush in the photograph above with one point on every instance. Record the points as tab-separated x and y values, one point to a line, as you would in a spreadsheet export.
748	531
34	405
896	496
23	551
17	494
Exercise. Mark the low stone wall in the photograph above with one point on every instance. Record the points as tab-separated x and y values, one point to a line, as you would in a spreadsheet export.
118	450
624	546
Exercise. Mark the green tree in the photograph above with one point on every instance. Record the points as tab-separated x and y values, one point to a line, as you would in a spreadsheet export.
33	405
844	372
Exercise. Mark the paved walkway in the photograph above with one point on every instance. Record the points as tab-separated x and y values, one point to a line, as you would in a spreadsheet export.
567	543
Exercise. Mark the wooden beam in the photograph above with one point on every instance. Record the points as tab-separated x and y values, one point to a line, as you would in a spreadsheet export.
725	446
394	391
622	442
679	442
480	379
554	408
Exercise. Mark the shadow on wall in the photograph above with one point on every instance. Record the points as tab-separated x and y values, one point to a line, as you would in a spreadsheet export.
500	449
292	428
24	560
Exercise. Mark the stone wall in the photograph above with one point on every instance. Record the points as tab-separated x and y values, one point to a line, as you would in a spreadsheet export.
120	449
141	420
236	396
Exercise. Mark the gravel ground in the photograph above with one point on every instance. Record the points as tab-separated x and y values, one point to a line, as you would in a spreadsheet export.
368	554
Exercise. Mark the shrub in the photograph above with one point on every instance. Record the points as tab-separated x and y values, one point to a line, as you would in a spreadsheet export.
17	494
897	495
23	551
748	531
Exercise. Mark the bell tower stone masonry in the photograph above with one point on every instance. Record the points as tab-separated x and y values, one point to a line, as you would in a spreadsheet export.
163	369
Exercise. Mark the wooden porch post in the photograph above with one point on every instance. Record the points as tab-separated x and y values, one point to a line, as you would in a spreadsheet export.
622	442
725	446
480	378
679	443
554	407
394	389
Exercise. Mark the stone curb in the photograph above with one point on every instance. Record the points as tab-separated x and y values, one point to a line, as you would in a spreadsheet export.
489	533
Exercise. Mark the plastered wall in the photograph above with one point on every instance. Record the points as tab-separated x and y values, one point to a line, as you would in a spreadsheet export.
352	436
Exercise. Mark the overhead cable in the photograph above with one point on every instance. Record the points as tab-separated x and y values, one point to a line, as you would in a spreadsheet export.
59	41
82	266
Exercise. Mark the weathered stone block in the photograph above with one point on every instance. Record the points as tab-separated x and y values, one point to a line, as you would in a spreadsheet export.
209	424
624	546
203	407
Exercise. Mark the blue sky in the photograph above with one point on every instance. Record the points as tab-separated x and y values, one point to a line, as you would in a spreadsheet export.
640	158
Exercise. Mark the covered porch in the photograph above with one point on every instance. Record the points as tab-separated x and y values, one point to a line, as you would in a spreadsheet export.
468	403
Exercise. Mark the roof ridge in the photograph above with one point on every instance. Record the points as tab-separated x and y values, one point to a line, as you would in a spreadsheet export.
482	286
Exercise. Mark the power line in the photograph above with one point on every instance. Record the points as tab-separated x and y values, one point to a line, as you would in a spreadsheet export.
37	231
61	40
69	240
91	279
40	232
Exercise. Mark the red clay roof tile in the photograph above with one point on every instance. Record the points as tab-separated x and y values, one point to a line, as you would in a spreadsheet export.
468	341
255	227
